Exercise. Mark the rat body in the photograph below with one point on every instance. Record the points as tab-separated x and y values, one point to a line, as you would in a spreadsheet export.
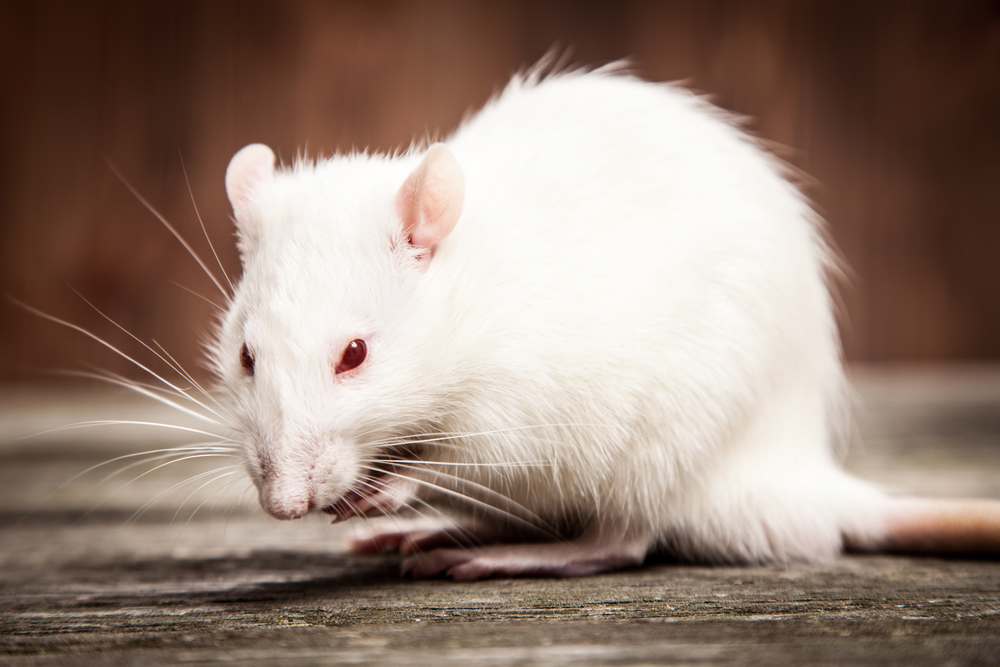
598	312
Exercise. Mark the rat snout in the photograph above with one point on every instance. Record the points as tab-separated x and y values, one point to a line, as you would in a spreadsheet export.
299	475
286	500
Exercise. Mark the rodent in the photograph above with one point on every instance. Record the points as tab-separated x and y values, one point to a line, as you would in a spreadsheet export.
596	318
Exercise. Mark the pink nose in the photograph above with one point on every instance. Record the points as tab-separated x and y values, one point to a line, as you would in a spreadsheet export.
284	505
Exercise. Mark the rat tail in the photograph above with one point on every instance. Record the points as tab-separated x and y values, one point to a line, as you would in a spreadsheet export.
956	527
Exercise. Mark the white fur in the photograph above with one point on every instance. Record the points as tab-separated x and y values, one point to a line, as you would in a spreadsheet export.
630	315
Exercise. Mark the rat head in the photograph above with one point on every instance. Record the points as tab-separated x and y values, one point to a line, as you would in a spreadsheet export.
314	353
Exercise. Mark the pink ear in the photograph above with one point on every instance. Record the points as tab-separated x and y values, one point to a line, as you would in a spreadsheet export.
430	200
251	165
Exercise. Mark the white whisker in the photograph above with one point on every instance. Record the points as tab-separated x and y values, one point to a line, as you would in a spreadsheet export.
432	437
159	394
151	390
124	422
114	349
190	378
149	503
159	457
502	466
396	518
217	494
201	222
147	472
491	493
241	500
200	296
184	450
232	470
541	527
168	360
170	228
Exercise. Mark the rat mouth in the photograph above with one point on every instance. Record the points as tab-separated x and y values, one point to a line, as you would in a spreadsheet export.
381	489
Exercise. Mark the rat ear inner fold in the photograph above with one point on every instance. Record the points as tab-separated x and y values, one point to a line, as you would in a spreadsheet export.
430	200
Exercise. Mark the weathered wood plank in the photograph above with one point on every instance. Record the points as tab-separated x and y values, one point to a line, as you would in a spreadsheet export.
230	585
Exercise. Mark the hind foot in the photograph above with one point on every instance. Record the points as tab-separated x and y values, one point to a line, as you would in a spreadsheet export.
598	549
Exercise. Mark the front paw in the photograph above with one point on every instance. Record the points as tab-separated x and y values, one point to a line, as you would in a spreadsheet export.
413	540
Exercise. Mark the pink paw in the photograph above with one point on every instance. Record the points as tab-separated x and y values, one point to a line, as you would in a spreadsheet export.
411	541
556	559
454	551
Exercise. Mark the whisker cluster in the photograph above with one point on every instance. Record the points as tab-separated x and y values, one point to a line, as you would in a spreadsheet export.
462	483
192	401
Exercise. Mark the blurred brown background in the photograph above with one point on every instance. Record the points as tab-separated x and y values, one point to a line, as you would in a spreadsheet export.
893	107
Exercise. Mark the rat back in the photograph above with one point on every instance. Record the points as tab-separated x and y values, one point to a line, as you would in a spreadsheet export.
634	279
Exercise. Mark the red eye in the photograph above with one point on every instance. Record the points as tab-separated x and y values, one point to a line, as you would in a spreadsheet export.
246	359
354	355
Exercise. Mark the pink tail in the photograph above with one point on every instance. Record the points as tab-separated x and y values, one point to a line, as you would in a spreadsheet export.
946	527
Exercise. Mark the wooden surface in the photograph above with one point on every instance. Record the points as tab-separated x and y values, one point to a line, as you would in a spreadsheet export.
85	581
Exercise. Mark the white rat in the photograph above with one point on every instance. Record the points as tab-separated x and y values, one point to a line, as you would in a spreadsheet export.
596	318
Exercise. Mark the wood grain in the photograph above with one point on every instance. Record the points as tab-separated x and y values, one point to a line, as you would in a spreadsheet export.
83	580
